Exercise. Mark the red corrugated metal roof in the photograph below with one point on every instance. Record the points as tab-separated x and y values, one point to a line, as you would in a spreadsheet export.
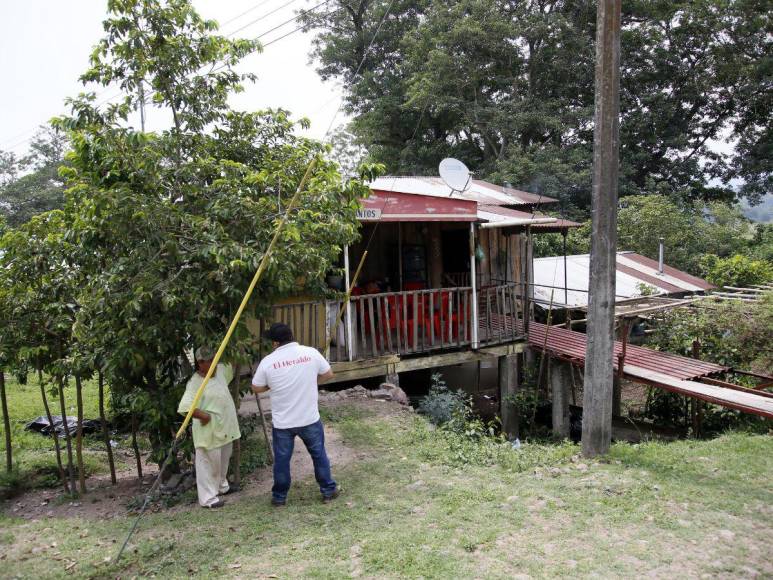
654	280
514	213
684	276
391	206
571	345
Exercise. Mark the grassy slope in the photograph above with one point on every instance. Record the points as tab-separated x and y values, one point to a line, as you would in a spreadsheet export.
425	505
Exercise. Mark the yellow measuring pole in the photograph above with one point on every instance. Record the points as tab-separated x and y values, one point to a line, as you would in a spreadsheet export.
261	268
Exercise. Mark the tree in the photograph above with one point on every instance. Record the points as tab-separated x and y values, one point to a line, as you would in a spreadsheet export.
737	270
507	87
167	228
38	293
31	184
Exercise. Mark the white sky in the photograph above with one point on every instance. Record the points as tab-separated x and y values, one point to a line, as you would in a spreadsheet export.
45	45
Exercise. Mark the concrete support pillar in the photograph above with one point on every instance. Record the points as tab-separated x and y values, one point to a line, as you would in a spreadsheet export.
530	361
561	386
392	379
509	385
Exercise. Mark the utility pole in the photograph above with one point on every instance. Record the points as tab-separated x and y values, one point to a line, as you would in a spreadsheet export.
598	386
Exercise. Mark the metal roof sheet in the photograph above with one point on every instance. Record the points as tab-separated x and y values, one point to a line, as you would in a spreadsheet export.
501	213
633	270
390	206
479	191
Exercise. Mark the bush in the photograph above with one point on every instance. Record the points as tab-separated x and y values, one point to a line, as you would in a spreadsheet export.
441	404
737	270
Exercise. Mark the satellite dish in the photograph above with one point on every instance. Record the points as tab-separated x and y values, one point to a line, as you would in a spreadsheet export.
455	174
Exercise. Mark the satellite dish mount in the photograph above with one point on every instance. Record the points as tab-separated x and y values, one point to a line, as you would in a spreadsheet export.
455	174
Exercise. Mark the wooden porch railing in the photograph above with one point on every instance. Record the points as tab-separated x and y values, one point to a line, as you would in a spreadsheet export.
410	322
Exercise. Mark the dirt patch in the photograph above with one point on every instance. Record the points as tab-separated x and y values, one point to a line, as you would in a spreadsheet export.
106	501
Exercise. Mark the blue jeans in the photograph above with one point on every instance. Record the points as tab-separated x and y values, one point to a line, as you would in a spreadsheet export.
313	436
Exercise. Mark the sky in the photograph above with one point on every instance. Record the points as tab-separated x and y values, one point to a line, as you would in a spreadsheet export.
45	46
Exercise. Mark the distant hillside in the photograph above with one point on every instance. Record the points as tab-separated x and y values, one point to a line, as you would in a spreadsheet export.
762	212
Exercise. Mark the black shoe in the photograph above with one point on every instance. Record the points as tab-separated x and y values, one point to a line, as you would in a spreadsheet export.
331	497
277	503
218	504
231	489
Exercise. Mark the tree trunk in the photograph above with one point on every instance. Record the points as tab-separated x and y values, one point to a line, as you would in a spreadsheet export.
103	421
79	434
67	438
6	425
135	447
50	418
236	456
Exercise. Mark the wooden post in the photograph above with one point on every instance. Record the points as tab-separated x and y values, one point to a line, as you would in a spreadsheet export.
103	422
50	418
597	398
6	426
473	283
135	447
348	312
566	279
509	385
436	256
560	382
697	406
79	433
67	438
400	254
269	448
617	388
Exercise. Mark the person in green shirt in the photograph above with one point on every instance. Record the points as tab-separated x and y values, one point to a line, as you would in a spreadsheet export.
215	427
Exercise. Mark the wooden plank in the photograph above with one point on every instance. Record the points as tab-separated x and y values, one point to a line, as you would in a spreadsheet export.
356	374
440	360
302	322
733	387
373	336
466	321
760	290
747	402
450	316
415	321
387	329
398	321
432	319
405	322
488	314
736	295
505	349
365	363
363	334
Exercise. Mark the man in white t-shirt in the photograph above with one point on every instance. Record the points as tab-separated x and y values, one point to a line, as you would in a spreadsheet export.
291	374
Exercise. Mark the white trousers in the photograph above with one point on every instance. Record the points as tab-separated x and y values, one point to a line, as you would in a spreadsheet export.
211	472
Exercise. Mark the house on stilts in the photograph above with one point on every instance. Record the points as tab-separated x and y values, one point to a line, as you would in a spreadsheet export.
448	278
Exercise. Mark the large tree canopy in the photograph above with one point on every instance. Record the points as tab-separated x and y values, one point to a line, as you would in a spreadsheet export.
164	230
507	86
31	184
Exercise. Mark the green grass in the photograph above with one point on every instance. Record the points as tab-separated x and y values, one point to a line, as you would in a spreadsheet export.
421	504
33	453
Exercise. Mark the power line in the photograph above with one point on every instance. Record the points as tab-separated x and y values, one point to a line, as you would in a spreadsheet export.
263	17
29	134
238	16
